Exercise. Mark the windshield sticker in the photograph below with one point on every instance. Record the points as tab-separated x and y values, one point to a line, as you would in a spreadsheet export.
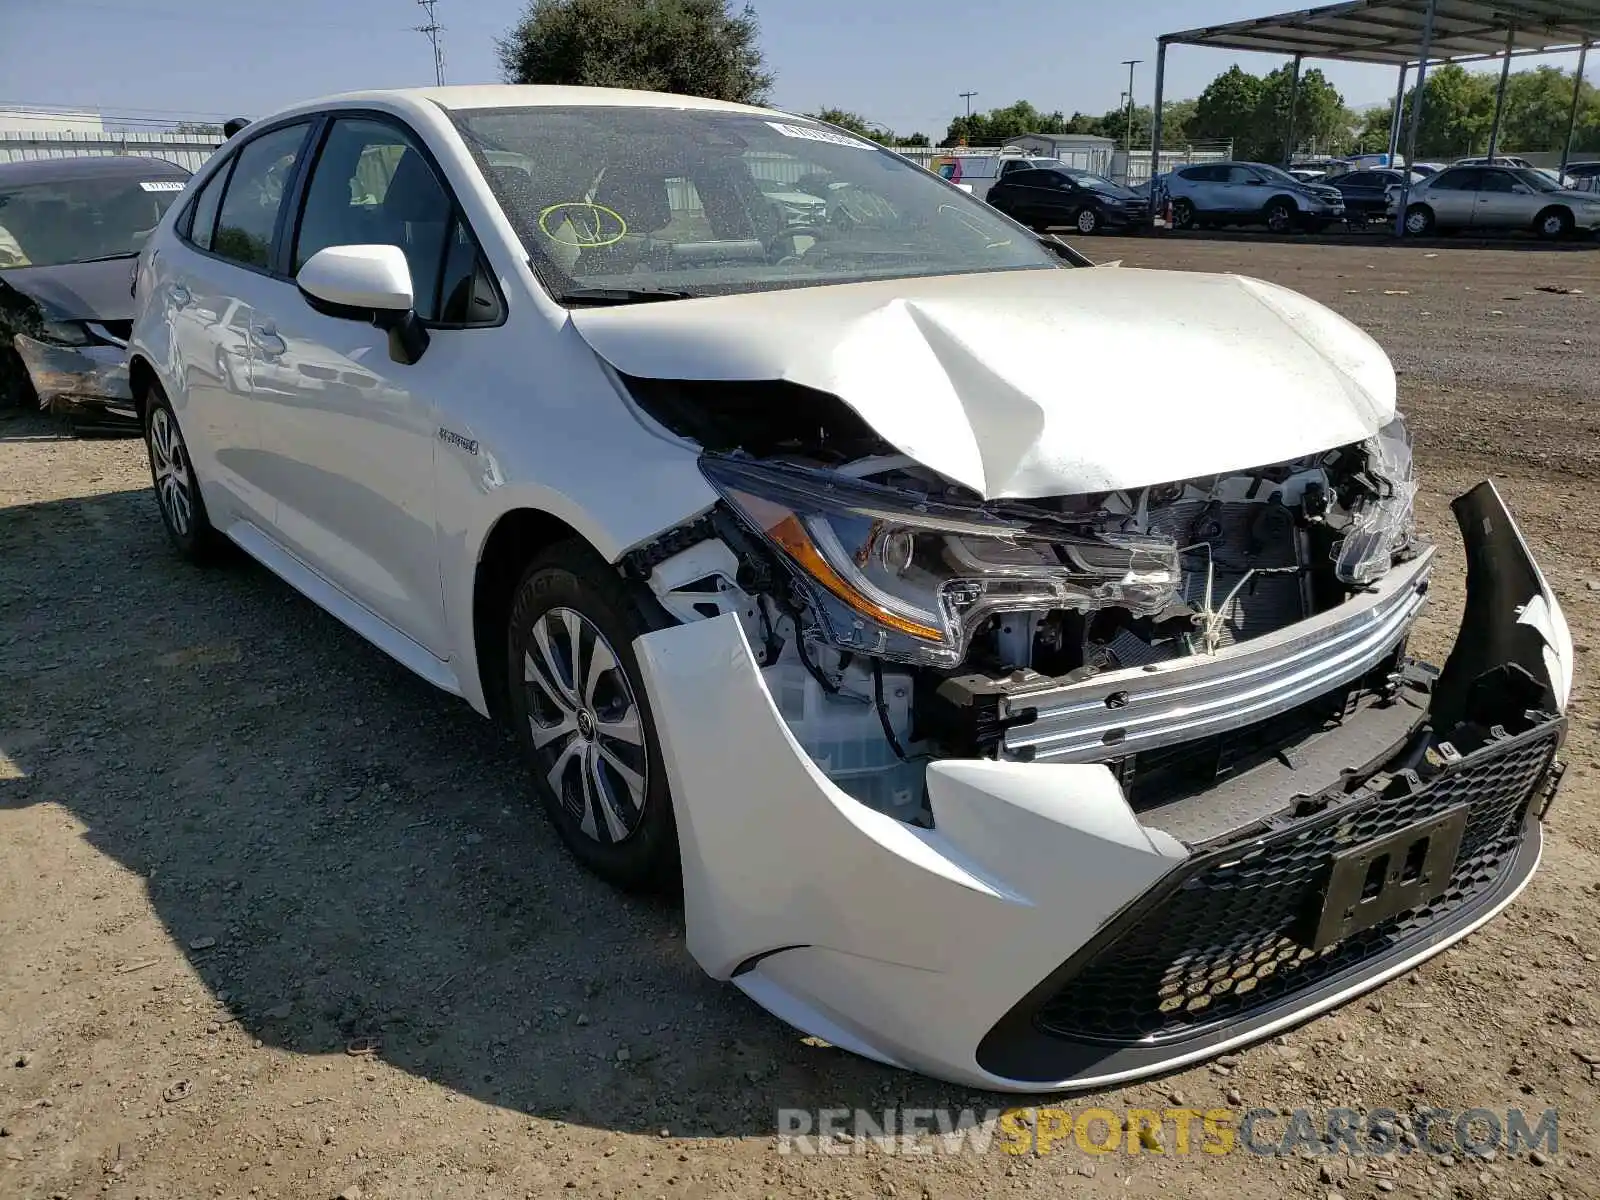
161	185
807	133
583	224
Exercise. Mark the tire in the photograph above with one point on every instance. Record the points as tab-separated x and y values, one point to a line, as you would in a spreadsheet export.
1553	224
183	509
1183	216
1419	220
585	727
1280	215
1087	221
16	386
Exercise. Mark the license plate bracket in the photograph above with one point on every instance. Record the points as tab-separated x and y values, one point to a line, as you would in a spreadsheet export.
1387	876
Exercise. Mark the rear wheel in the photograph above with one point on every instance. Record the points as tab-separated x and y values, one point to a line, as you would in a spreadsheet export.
583	719
183	510
1419	220
1554	223
1280	215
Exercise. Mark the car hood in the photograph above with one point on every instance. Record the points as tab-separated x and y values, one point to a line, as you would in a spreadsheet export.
92	291
1037	383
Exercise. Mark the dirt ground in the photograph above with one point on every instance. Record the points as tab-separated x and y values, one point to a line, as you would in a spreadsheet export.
277	920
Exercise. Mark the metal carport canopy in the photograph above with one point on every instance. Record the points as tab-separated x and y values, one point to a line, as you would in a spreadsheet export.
1392	31
1403	33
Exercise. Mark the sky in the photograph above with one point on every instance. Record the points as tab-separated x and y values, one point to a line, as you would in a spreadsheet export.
900	63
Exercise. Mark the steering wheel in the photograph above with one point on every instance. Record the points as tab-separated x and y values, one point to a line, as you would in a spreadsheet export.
790	232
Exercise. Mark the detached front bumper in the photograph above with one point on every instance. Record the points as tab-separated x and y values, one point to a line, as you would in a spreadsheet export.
1042	935
88	381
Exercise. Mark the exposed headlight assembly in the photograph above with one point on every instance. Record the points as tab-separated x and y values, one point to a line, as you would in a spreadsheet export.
902	579
1386	523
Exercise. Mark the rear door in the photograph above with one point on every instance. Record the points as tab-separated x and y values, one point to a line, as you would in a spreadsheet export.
1453	195
213	291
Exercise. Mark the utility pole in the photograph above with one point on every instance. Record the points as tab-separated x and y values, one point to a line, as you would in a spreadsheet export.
1130	63
967	96
433	29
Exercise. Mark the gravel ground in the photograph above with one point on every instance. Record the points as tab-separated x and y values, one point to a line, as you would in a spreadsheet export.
276	919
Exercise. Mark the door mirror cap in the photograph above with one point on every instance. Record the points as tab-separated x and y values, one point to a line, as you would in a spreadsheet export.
371	278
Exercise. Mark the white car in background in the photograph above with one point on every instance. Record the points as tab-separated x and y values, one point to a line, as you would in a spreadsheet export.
1011	726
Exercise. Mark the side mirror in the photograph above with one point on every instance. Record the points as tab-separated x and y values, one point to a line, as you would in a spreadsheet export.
367	283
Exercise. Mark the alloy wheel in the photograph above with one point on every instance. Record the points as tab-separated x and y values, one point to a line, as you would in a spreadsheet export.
169	460
588	735
1088	221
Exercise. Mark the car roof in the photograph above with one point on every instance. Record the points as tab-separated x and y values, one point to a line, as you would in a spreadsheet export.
520	95
117	166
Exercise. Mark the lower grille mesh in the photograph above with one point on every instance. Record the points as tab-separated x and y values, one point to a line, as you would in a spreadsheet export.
1232	935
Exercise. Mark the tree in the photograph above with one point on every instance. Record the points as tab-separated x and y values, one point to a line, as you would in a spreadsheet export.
999	125
915	139
1538	105
856	124
1227	109
1320	117
691	47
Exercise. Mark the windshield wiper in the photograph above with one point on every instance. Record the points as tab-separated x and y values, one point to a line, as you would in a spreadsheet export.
598	296
109	257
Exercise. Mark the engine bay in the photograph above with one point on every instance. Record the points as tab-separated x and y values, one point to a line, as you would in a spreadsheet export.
893	612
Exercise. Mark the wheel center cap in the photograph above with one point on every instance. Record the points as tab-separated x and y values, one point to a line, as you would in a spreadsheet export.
585	725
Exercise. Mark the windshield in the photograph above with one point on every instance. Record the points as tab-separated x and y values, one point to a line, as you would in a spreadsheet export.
1097	183
74	220
620	203
1537	180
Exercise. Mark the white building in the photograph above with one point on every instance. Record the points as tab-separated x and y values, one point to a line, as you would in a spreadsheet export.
46	119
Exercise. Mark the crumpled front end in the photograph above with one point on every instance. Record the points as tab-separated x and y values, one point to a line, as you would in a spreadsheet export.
90	379
1045	879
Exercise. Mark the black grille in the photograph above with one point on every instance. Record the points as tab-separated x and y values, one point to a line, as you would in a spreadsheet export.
1233	934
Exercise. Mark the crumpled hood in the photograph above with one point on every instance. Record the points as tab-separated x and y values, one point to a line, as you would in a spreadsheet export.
1037	383
92	291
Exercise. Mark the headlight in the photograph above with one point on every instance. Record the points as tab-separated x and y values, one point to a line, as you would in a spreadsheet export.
894	576
1387	523
64	333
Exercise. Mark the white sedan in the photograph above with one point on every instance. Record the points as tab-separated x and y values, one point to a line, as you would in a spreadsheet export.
1034	729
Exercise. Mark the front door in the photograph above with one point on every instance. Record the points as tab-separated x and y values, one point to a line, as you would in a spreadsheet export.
352	432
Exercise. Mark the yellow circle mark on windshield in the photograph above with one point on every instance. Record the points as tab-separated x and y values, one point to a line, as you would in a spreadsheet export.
583	224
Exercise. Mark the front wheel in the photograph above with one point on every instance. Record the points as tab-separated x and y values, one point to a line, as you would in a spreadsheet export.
1280	216
1182	214
1554	223
183	510
1419	220
583	719
1088	221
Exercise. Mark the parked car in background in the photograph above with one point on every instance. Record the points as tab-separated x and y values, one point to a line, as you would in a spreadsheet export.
1584	170
1316	170
1028	735
1500	199
70	229
977	173
1499	160
1367	192
1051	197
1244	193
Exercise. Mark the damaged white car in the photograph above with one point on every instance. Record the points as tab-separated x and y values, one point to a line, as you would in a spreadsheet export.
1033	728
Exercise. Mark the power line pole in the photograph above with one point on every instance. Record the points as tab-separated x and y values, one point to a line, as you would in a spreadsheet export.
1130	63
967	96
433	29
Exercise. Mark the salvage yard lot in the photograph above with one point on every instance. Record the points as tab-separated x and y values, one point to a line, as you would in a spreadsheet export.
277	920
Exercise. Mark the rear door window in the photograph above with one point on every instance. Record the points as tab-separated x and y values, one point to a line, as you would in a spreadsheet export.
247	220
